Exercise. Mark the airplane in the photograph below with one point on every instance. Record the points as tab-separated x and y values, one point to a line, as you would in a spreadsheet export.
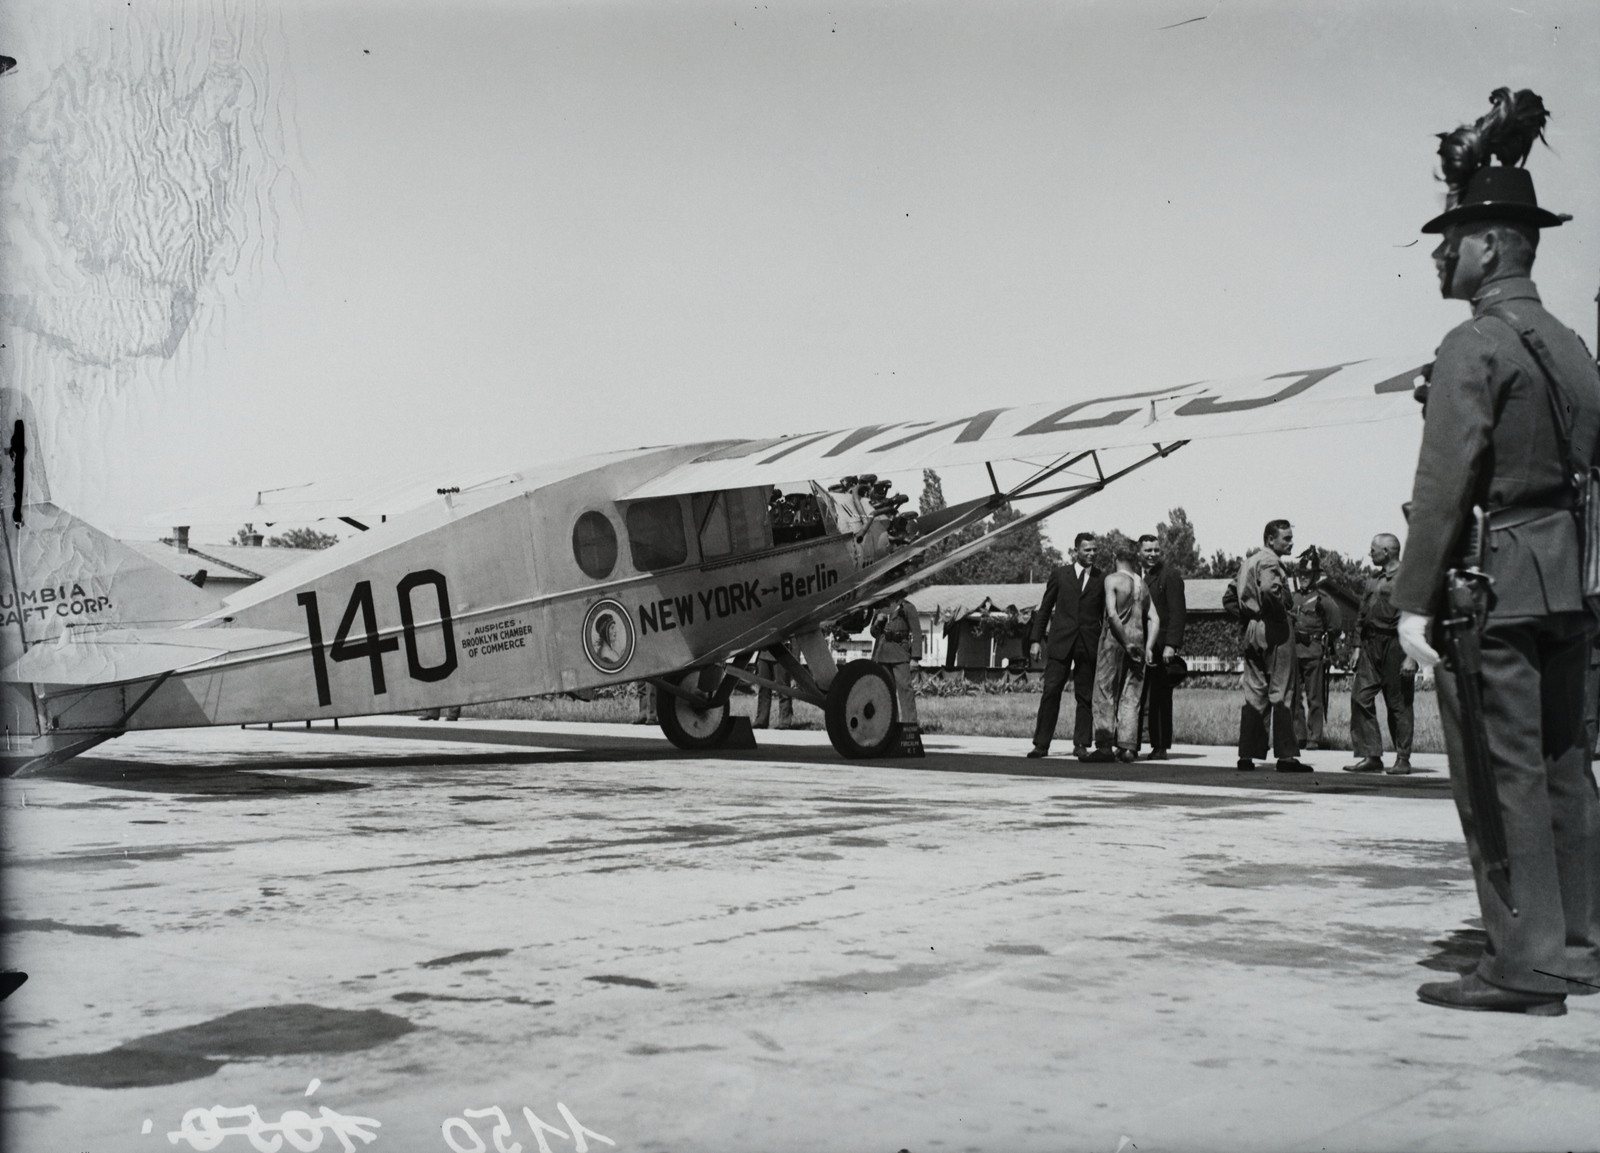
675	565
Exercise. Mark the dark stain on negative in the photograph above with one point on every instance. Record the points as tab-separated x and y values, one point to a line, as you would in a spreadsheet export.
196	1051
413	998
1561	1064
47	926
1260	875
905	977
612	979
461	958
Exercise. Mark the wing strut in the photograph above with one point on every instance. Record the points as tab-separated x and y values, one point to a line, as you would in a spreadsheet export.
899	571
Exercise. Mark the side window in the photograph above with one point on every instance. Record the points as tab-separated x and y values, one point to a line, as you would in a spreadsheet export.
711	520
751	519
594	545
655	533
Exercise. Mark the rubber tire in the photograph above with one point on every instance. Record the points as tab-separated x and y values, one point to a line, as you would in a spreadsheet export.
860	711
688	727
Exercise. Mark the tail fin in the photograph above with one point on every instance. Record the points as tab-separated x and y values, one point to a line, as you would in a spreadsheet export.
59	573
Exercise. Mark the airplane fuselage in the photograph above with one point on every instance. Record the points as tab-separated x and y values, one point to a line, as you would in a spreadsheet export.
518	590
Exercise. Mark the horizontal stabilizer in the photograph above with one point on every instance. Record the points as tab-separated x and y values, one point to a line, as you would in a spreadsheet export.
121	655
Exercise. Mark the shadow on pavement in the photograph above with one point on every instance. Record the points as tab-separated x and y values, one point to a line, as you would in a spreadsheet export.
602	746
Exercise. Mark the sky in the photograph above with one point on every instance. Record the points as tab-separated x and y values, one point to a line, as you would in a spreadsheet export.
252	244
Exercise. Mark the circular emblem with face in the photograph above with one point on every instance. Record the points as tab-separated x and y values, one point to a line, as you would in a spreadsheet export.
608	637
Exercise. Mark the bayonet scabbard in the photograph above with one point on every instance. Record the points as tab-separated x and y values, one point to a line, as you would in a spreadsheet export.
1466	595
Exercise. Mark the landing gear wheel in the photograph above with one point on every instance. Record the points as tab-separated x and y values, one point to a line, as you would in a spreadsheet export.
686	726
860	710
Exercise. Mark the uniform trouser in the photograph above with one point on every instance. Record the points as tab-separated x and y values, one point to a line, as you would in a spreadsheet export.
1158	705
1270	674
1378	669
1118	685
773	671
1591	699
904	695
1534	688
1309	715
1079	665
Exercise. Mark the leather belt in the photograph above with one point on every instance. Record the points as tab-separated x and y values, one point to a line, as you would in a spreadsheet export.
1514	516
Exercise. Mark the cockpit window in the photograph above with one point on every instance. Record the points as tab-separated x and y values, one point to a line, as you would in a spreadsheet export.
655	534
594	545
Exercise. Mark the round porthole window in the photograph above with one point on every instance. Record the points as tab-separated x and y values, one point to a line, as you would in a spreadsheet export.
594	545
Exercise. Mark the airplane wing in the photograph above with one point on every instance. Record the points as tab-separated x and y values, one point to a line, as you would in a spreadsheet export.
355	499
1356	392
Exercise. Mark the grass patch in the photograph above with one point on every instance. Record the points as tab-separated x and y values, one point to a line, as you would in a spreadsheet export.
1200	716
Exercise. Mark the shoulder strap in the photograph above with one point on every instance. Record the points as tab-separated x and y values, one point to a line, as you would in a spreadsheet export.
1560	401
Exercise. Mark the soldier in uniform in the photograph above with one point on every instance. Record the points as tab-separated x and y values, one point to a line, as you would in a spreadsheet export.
1511	391
1265	603
897	630
1316	624
1381	665
769	667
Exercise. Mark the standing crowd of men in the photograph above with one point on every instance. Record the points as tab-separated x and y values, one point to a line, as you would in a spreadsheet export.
1498	586
1117	637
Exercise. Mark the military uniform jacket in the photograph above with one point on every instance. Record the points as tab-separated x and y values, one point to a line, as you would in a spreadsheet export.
1377	613
899	634
1166	593
1315	613
1070	615
1265	600
1490	439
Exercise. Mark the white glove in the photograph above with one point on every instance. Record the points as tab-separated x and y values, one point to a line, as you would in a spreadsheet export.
1414	639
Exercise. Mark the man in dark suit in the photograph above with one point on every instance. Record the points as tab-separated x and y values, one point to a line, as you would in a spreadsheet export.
1166	593
1512	412
1072	610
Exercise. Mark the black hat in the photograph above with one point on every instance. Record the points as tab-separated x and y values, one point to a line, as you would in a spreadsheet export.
1177	670
1480	190
1497	192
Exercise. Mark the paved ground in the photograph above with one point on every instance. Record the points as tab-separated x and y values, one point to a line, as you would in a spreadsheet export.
769	951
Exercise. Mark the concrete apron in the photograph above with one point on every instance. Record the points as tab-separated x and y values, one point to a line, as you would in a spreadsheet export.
775	952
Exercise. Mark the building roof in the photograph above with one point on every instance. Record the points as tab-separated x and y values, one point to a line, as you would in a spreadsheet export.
258	561
231	564
1201	595
959	600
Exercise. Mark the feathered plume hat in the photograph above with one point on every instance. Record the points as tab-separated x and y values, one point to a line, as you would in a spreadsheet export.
1480	190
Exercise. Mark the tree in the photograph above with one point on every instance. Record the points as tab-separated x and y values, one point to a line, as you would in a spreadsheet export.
1176	535
303	538
1348	572
1022	556
1223	565
1105	548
